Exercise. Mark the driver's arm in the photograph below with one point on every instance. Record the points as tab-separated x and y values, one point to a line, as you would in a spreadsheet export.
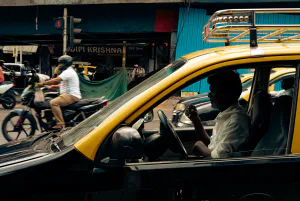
200	131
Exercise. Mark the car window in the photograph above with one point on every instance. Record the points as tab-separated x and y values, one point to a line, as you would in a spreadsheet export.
269	114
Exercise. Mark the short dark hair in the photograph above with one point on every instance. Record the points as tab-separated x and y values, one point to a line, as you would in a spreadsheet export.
227	80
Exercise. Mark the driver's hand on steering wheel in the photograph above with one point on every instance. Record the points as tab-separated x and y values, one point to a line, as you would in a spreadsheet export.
192	113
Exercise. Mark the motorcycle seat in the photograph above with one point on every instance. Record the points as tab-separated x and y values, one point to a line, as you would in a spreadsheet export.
84	102
52	93
89	108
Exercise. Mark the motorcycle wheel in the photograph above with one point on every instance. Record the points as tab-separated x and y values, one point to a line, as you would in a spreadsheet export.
11	101
11	133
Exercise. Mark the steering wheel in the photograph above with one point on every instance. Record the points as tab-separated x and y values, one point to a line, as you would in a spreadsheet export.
172	139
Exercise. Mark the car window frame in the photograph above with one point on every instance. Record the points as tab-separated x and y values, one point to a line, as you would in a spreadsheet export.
200	74
294	111
239	160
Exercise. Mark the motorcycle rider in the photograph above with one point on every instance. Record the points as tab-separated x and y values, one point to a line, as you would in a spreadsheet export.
69	89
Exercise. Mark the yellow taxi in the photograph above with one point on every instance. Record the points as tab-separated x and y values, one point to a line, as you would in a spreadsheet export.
111	156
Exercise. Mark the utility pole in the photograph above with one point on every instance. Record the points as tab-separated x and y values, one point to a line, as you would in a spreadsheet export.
16	54
65	31
124	54
21	55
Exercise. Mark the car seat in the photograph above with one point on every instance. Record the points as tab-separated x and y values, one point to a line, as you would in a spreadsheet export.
260	113
275	140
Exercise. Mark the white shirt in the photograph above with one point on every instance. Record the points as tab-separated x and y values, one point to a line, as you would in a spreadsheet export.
70	83
138	71
288	92
231	131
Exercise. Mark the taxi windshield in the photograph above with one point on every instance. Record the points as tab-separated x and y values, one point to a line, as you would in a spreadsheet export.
73	135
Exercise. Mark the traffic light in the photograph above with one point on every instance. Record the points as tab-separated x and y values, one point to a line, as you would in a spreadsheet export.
59	22
74	30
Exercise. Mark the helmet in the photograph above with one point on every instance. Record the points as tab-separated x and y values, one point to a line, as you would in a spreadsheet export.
65	61
2	62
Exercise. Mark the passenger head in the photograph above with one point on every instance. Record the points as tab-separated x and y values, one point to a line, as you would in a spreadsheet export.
225	89
287	83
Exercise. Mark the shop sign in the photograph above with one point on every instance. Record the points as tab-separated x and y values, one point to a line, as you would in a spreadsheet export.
187	93
135	51
97	50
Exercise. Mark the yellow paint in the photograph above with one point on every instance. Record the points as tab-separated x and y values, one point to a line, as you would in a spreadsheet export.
193	68
296	136
85	68
246	77
271	88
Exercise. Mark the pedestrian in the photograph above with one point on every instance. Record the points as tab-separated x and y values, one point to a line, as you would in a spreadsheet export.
99	74
80	71
138	71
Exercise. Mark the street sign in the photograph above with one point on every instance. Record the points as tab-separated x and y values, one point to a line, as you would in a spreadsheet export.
15	51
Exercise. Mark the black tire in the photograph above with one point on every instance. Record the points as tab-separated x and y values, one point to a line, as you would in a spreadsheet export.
7	122
12	101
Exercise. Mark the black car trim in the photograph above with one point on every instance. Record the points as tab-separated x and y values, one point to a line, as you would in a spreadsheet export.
212	162
47	158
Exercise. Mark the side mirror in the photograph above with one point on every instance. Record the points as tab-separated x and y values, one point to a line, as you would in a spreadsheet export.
149	116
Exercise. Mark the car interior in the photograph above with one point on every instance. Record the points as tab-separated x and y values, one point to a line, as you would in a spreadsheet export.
269	132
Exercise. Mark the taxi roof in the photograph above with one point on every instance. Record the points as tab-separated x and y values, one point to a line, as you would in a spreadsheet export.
262	49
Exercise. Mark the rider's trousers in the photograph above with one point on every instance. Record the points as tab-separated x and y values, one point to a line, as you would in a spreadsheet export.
61	101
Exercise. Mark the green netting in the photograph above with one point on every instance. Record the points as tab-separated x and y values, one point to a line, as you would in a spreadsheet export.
111	88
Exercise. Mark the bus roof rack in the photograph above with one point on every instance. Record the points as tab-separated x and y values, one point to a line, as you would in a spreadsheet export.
239	25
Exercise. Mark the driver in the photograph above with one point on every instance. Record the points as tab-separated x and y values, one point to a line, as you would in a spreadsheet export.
69	89
233	123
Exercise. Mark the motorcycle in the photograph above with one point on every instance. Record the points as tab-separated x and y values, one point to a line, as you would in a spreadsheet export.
7	94
21	122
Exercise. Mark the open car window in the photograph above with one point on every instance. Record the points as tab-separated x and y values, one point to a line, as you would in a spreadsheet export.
269	115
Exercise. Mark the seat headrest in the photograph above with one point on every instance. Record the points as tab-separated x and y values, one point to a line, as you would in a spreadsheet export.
154	146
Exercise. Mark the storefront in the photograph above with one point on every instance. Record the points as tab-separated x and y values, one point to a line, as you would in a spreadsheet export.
151	54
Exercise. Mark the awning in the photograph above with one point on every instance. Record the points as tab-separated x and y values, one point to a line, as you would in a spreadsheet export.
25	49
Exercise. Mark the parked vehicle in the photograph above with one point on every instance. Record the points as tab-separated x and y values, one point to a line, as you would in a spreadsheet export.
21	123
20	77
109	156
7	94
